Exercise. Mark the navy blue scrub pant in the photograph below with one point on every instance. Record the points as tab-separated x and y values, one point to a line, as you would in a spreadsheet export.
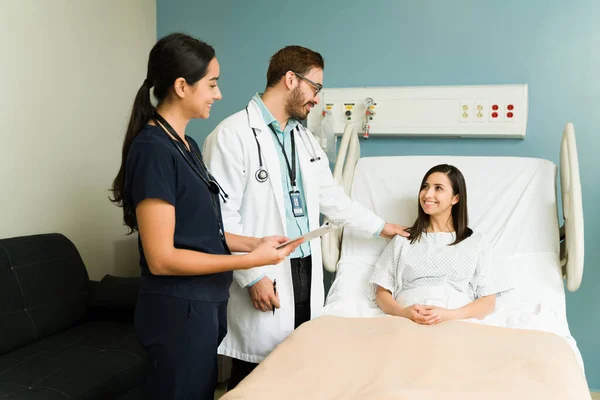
181	339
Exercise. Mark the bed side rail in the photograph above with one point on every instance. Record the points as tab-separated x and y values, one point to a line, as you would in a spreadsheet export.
571	232
343	173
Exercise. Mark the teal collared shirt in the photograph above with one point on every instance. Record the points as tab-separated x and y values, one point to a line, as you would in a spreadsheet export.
296	226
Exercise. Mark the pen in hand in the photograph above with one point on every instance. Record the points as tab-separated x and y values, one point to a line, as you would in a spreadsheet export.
274	291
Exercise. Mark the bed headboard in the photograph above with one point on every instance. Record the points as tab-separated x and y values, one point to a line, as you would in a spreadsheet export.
571	257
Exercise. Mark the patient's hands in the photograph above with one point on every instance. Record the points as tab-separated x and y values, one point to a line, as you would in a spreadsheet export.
263	296
443	314
421	315
391	230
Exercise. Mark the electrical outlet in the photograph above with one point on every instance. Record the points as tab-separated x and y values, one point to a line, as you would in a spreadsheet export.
480	110
509	112
465	111
496	110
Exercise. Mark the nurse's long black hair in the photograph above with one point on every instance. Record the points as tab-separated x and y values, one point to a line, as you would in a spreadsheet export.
174	56
460	214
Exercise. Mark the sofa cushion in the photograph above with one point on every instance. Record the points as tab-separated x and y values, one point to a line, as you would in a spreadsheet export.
96	359
115	294
43	288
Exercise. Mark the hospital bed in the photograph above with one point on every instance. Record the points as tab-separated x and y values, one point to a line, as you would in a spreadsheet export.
353	351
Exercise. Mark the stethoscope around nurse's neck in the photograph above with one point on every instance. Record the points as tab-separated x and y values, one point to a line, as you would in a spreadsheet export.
209	180
261	174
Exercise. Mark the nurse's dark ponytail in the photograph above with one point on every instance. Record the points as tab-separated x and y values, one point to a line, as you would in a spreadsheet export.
174	56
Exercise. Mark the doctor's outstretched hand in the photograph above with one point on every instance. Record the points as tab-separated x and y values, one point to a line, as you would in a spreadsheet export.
391	230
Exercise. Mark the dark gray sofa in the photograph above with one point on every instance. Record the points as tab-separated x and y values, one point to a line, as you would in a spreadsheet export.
63	336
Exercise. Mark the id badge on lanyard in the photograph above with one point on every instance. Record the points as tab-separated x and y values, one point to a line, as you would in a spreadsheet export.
296	200
295	196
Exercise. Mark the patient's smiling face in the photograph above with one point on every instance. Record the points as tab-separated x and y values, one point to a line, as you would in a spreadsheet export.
437	196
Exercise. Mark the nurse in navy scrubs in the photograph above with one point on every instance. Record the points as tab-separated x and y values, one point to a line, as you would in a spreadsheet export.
169	196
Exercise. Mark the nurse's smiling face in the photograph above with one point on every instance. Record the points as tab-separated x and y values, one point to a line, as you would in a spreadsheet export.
205	92
305	95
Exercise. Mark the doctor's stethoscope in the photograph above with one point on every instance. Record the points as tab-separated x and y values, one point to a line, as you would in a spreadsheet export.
261	174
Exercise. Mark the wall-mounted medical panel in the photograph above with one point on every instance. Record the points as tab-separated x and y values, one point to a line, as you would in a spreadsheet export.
487	111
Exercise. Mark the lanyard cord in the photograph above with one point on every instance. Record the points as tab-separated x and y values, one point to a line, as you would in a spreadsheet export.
291	169
209	180
213	185
193	151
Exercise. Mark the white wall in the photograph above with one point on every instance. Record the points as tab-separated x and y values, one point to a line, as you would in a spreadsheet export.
69	71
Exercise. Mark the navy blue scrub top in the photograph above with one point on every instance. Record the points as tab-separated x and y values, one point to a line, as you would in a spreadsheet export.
156	169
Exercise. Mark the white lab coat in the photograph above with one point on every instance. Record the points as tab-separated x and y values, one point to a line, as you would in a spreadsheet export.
258	209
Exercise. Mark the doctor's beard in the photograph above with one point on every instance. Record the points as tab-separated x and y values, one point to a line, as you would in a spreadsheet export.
296	106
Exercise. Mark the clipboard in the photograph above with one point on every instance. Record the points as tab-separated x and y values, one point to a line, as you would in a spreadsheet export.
323	229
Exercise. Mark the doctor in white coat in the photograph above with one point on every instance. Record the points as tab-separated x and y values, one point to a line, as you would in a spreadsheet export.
278	181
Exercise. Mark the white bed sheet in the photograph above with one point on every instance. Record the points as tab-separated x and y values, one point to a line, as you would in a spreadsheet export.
511	200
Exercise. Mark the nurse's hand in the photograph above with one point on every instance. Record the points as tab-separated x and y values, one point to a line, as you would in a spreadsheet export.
263	296
391	230
267	254
278	239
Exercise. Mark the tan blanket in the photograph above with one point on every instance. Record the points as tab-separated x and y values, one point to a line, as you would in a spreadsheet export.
394	358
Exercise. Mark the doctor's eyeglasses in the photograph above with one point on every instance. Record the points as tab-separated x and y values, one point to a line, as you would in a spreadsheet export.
316	86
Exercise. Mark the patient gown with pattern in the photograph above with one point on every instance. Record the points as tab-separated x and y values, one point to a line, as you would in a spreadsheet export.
431	271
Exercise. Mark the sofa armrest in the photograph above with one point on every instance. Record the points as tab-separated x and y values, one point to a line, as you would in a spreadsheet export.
113	297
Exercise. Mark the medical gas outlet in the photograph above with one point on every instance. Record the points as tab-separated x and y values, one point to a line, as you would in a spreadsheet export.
369	109
369	114
348	112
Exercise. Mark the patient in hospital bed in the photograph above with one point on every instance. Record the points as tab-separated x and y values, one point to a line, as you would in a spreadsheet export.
443	271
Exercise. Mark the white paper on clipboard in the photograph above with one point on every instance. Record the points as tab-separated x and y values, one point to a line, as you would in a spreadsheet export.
323	229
